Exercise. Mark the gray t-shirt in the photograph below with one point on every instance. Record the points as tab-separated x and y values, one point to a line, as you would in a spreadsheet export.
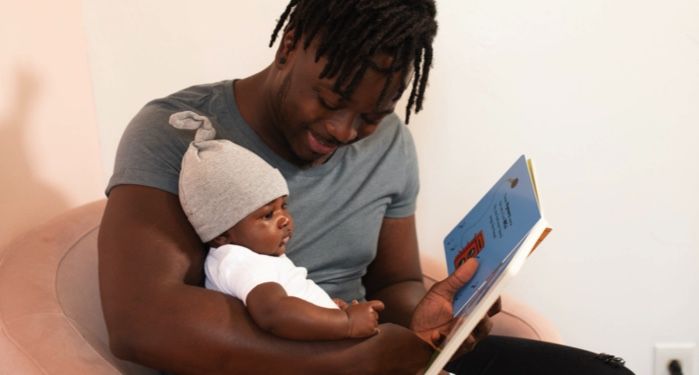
338	207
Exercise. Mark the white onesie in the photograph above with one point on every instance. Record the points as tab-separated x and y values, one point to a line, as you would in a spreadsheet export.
236	270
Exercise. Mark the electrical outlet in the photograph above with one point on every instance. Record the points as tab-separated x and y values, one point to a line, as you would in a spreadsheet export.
667	351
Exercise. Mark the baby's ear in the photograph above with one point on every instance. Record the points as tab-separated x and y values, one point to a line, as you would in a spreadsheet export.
220	240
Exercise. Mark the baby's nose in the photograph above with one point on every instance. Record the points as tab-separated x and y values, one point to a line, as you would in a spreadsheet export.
283	221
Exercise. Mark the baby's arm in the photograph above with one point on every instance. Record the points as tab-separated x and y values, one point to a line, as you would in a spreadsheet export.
290	317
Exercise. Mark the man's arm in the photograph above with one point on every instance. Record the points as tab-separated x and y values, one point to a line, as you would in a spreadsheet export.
395	276
157	314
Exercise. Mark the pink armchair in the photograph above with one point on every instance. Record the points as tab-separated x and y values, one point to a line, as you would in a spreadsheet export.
51	316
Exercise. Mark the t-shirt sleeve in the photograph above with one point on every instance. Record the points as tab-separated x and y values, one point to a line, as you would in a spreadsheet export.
150	151
404	200
236	270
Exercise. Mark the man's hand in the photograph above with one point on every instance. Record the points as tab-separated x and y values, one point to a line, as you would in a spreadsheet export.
433	317
363	318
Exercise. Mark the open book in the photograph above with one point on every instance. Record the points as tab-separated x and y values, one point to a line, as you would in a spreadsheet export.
500	231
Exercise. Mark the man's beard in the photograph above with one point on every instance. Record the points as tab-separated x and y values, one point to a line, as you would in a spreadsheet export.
283	119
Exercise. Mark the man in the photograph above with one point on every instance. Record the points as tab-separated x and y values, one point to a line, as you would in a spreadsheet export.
322	113
306	111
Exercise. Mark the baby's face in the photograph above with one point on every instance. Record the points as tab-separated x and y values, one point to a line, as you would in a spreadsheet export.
266	230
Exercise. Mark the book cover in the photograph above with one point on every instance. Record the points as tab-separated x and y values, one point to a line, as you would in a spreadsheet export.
493	229
501	230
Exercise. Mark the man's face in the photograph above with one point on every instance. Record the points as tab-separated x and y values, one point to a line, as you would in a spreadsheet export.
315	120
266	230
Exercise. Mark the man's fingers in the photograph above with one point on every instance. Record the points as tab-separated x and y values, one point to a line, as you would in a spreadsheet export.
496	308
482	329
469	343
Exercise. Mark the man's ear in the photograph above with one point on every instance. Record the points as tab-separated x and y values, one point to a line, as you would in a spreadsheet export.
285	50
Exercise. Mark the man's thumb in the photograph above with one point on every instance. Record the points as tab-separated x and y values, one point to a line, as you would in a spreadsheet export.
459	277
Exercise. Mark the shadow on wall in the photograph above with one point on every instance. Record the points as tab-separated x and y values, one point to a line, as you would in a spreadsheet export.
25	200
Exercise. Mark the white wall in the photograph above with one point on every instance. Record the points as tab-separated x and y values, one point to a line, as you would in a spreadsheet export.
604	96
142	50
49	150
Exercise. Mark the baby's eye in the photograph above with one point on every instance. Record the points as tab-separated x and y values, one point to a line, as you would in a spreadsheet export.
269	215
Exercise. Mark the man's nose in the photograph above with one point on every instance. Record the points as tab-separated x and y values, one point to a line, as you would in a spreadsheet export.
343	126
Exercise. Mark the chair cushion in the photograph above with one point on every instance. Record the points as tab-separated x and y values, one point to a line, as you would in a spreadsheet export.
50	313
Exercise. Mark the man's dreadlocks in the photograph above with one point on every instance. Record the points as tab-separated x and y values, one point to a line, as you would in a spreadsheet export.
351	32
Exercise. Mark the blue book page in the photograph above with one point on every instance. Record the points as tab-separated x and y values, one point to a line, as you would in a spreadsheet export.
492	231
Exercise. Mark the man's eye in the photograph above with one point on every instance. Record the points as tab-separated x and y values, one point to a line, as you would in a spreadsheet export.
327	105
371	120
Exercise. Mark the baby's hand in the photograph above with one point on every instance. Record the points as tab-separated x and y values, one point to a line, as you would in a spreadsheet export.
341	304
363	318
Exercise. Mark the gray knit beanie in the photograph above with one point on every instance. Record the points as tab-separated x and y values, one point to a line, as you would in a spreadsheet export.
220	181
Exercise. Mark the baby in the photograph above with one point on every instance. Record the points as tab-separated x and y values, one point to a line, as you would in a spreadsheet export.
236	202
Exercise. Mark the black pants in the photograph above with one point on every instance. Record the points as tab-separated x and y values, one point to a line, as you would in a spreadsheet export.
498	355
